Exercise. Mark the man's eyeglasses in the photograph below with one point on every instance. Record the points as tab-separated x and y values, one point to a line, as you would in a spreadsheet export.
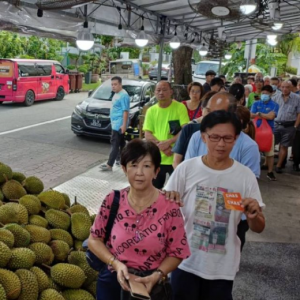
216	138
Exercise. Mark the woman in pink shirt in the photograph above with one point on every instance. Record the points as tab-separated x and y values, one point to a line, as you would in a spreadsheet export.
193	105
148	237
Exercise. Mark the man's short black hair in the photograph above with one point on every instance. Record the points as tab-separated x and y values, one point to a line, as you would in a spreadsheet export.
167	82
137	149
118	78
221	117
210	72
237	90
267	88
293	82
217	81
275	78
222	76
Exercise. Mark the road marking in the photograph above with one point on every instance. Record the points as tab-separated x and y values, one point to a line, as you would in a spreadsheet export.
34	125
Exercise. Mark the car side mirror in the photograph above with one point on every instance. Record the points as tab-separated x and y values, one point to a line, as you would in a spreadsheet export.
67	71
90	93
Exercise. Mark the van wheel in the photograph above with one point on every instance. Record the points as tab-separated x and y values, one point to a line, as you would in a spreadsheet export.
60	93
29	98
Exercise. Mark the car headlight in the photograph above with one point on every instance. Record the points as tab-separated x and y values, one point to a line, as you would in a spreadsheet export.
78	111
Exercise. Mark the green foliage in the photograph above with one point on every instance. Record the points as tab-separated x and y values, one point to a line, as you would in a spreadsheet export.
288	43
83	68
266	57
291	70
12	45
71	67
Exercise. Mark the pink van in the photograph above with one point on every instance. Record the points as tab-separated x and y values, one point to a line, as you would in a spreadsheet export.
29	80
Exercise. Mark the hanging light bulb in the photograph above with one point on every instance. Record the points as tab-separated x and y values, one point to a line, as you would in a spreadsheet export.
271	36
228	56
85	40
248	6
203	50
175	41
271	39
277	24
142	40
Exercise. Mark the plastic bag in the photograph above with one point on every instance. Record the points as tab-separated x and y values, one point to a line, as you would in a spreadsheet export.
263	135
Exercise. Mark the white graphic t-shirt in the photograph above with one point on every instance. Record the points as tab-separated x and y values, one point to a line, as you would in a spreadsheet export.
210	227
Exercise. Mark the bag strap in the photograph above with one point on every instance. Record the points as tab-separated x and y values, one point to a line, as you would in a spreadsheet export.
112	215
195	114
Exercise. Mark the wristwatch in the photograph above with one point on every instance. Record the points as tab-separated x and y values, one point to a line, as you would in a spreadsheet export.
162	275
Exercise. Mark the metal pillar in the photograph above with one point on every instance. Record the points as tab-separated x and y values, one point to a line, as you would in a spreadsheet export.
161	47
249	56
220	66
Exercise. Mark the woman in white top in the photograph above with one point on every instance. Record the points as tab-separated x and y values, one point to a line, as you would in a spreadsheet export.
211	225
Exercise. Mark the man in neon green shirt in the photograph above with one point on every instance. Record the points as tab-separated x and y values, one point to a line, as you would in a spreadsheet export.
162	126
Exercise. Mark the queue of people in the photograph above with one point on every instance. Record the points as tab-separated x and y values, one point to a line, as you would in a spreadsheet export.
204	152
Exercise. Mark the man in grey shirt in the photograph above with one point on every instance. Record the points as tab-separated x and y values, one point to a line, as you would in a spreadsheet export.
286	122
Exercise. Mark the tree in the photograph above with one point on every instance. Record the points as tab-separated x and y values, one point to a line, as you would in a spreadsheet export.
266	57
289	43
13	45
182	59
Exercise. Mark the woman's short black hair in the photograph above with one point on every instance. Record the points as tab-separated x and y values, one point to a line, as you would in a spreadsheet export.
137	149
221	117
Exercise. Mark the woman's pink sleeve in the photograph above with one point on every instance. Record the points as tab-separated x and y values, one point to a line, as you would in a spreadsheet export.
98	228
177	244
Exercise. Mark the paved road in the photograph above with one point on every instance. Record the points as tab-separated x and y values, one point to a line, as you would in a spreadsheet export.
37	140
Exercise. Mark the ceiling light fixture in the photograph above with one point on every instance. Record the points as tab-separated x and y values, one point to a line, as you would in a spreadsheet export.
247	7
175	41
141	40
272	39
203	50
120	22
277	23
85	40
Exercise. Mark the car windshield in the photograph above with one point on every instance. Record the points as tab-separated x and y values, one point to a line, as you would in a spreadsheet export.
203	67
105	93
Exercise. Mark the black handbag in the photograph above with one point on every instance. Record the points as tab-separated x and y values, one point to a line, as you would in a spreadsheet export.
91	258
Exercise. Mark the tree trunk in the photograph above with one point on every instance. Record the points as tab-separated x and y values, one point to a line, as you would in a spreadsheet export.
182	59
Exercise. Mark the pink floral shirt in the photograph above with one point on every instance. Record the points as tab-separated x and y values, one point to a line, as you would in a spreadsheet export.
142	241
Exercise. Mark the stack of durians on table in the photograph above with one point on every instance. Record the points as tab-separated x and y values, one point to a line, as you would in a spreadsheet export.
41	235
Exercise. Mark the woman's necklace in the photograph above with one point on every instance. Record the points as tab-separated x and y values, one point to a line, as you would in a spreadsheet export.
137	207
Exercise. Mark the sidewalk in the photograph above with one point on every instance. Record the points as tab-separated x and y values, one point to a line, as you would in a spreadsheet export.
270	262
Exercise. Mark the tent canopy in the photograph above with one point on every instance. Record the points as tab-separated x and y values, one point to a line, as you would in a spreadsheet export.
213	22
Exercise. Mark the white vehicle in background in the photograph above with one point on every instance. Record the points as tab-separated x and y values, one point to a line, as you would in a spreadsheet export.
202	67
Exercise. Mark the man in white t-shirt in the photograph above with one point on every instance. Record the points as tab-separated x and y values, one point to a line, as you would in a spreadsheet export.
211	224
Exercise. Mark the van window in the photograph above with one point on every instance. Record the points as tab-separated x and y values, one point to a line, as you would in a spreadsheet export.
33	69
6	68
59	69
203	67
44	70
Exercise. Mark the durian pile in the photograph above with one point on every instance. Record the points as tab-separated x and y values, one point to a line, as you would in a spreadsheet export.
41	235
